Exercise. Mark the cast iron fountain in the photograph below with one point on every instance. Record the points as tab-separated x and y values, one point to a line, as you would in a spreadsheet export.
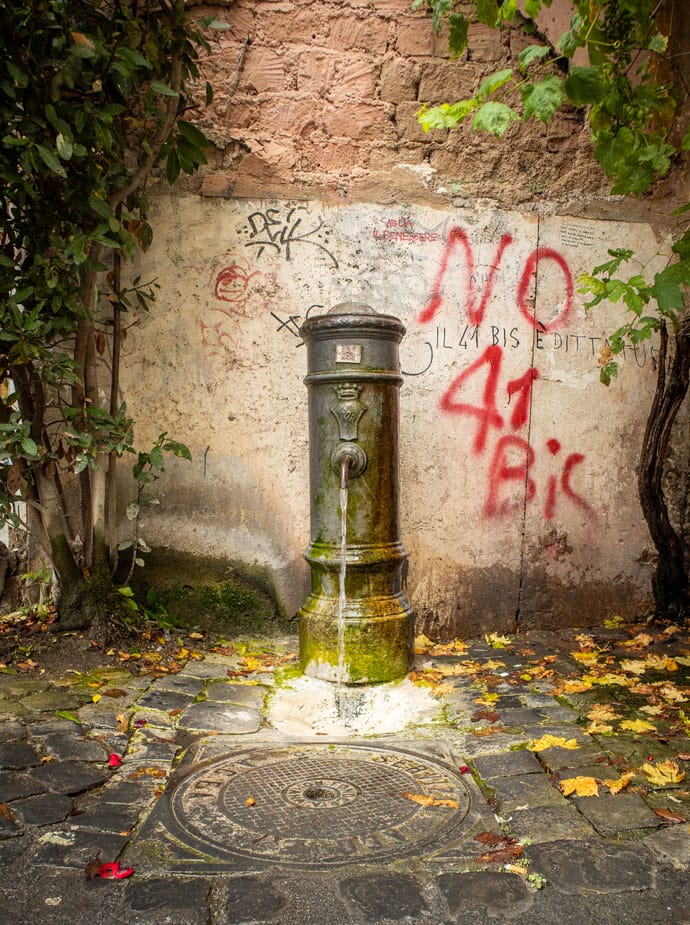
356	625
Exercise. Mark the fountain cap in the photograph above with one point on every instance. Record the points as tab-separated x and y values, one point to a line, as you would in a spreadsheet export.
352	308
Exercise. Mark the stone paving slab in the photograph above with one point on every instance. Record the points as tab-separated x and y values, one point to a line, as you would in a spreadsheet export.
608	860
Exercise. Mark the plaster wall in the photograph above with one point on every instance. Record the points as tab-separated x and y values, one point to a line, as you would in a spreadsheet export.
517	472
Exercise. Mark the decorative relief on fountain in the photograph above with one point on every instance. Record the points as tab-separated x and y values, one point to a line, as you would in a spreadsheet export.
349	410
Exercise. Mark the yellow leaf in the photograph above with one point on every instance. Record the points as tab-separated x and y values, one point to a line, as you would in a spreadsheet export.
496	641
652	711
96	698
663	773
615	786
421	644
551	741
425	800
633	665
609	679
683	660
580	786
641	641
488	699
585	641
661	663
250	801
638	725
598	729
602	713
587	658
196	635
576	687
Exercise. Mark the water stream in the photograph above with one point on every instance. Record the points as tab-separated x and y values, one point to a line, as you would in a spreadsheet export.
340	675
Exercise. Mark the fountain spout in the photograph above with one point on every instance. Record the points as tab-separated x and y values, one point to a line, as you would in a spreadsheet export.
347	461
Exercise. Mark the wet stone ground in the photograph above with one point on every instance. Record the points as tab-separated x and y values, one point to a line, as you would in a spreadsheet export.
545	779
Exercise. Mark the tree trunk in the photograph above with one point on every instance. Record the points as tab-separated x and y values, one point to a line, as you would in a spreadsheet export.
670	580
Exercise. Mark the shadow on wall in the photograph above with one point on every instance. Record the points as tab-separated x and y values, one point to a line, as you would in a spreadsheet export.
212	594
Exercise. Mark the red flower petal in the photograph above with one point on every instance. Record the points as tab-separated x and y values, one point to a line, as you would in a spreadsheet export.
464	769
112	870
114	760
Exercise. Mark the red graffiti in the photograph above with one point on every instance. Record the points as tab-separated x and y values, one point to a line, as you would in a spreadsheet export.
513	461
502	471
232	282
525	293
523	386
475	315
487	414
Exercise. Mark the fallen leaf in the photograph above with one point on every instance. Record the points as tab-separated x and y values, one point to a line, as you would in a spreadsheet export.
602	713
250	801
609	678
661	663
575	687
598	729
652	711
551	741
114	692
488	699
46	759
620	783
669	815
587	658
122	722
638	725
641	641
196	635
6	812
425	800
92	869
496	641
633	665
663	773
580	786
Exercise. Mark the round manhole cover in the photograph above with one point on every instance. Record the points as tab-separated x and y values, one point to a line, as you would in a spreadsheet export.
318	805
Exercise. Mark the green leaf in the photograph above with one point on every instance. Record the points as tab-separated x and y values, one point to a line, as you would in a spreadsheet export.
531	54
18	74
608	372
64	147
158	87
585	85
209	93
495	118
457	38
494	82
658	43
132	511
51	162
29	447
66	714
543	99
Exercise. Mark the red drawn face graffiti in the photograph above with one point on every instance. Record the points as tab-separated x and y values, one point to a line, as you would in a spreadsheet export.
232	282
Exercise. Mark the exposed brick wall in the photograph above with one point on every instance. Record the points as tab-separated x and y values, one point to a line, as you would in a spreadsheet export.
317	98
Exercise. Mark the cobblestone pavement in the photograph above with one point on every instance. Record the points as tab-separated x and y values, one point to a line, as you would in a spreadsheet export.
496	840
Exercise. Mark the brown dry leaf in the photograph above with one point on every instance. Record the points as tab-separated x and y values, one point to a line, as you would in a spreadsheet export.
551	741
147	772
491	838
93	867
114	692
6	812
663	773
510	852
122	722
425	800
609	678
669	816
430	676
670	693
580	786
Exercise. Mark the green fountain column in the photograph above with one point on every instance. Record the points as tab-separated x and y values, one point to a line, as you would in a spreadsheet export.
356	625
